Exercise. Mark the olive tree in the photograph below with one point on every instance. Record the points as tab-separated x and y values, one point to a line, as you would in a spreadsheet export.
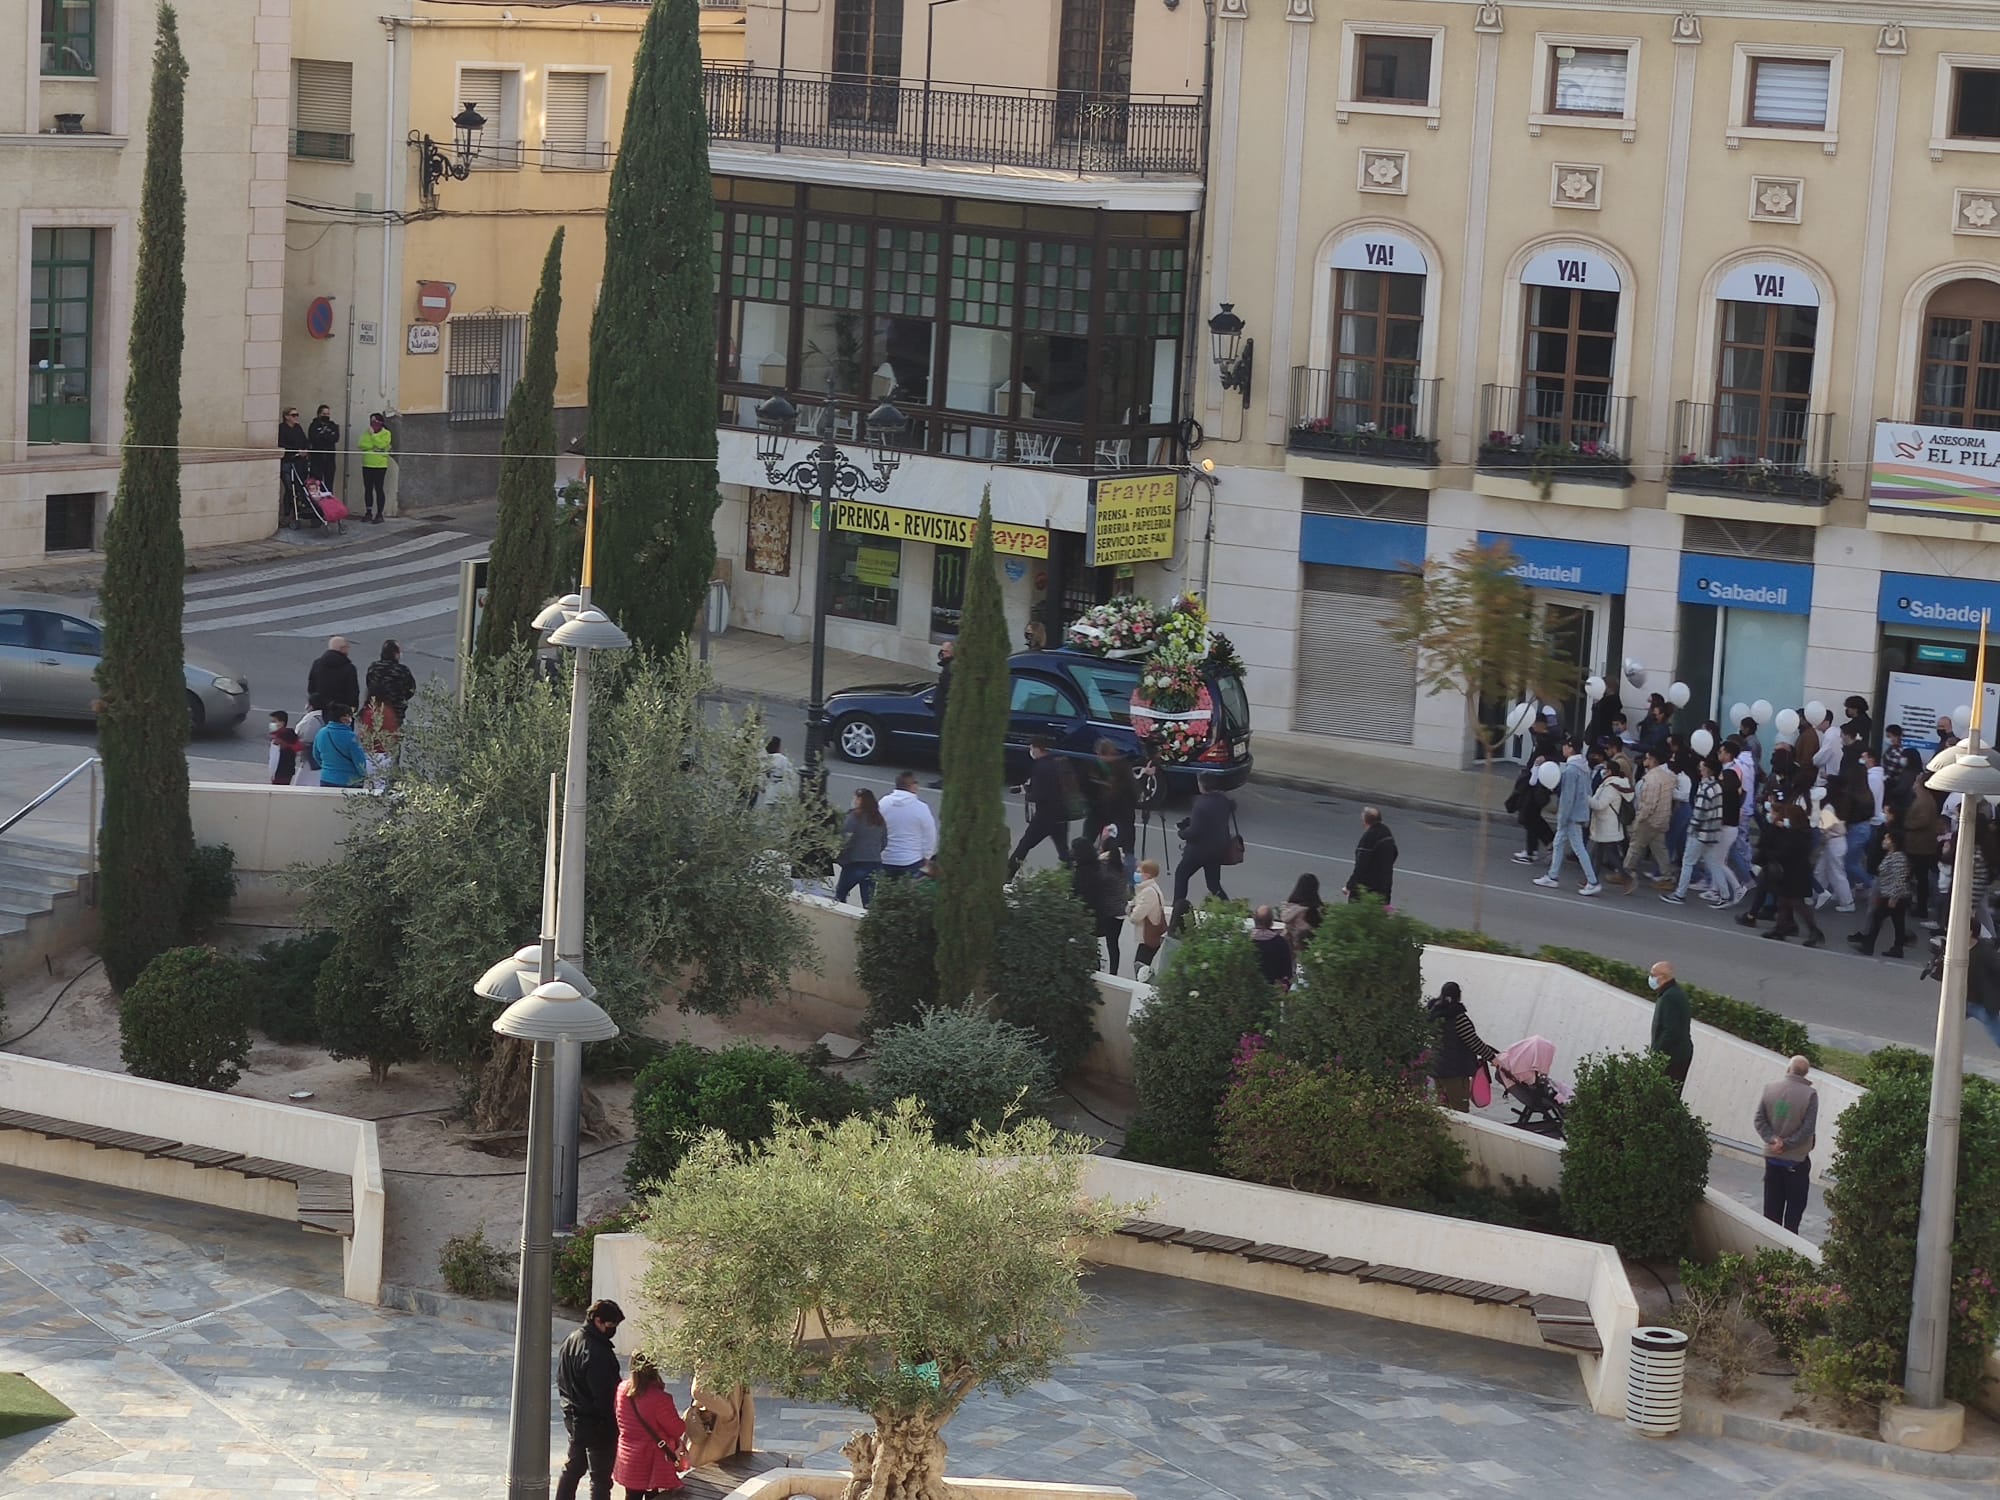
867	1265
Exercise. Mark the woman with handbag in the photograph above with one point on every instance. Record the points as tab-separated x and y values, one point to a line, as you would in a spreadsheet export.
649	1433
1461	1055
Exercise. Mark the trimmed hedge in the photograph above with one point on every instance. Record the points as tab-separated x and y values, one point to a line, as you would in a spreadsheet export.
1635	1160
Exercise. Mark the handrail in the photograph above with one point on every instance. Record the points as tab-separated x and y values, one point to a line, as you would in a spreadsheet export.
64	780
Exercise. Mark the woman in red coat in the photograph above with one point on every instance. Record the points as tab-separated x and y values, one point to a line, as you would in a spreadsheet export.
649	1433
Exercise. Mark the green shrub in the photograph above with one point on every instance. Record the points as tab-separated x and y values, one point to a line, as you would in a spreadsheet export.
1870	1252
1753	1023
964	1070
1476	942
1790	1296
211	888
284	978
1044	972
1334	1130
896	954
1512	1205
186	1020
1635	1159
1362	1004
1209	994
687	1090
358	1007
570	1272
473	1266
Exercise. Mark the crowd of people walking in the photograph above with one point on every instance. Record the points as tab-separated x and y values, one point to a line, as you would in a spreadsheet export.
346	737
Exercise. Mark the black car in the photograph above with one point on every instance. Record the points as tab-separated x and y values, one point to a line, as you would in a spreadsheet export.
1072	698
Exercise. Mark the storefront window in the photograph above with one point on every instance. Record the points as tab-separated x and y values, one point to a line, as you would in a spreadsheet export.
867	577
1566	388
1959	385
947	589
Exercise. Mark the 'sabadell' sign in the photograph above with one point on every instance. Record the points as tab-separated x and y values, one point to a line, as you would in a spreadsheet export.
1948	472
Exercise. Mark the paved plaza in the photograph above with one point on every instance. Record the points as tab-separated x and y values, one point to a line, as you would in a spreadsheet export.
209	1355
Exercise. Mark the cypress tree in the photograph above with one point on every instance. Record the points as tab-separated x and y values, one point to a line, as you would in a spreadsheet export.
972	833
652	347
522	571
143	722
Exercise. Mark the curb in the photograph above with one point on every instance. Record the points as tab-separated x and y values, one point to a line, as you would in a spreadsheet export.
498	1316
1706	1420
1408	801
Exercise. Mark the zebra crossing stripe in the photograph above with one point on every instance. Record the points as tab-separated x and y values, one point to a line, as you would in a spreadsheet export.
322	580
216	583
373	622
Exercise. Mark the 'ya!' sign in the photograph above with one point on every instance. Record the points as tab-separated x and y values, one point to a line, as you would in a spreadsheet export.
1764	281
1380	250
1573	266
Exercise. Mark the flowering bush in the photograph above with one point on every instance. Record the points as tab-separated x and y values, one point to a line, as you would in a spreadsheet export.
1125	626
1790	1296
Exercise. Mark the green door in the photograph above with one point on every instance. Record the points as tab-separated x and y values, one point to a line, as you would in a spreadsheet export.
61	310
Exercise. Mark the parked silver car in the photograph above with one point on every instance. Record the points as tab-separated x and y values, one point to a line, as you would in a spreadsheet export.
49	650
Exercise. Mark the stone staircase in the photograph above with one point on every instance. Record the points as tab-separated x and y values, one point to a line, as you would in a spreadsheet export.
37	879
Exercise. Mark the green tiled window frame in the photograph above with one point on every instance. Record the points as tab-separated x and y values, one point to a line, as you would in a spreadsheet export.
69	38
981	283
760	257
908	267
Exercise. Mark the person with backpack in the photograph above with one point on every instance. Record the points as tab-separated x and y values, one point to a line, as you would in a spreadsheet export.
306	771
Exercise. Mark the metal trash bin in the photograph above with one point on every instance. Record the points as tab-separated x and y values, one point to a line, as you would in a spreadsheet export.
1655	1381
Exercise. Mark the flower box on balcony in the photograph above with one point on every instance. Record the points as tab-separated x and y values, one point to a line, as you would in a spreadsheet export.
1566	463
1757	479
1394	446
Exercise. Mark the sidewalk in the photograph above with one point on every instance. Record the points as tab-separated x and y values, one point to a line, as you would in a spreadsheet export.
747	664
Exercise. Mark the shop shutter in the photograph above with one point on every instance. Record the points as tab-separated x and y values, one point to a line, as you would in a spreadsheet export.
323	101
566	112
1353	680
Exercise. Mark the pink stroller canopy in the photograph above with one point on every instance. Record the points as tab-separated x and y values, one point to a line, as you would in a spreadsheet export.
1527	1058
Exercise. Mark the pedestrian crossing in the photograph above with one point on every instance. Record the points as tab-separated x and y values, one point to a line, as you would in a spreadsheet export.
329	593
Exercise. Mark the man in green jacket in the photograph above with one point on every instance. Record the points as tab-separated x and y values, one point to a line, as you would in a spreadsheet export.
1673	1023
375	445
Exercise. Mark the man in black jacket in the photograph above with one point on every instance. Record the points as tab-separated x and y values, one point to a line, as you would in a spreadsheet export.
332	678
1050	786
1208	833
323	439
1374	859
587	1382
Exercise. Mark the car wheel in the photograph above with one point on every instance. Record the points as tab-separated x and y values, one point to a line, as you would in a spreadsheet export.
197	715
859	738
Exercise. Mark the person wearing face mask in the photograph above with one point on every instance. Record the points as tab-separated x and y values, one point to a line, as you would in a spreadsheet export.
1673	1022
940	699
285	748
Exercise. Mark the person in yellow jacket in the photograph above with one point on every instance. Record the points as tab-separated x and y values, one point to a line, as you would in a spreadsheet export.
375	445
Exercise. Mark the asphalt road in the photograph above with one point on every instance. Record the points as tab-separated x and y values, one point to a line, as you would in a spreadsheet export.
271	622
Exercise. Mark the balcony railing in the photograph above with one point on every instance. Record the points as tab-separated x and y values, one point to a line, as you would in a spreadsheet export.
1754	448
586	156
1364	415
1050	130
1551	433
323	145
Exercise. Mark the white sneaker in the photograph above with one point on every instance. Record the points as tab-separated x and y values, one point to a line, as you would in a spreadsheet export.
1521	858
1848	907
1821	899
1548	881
1589	890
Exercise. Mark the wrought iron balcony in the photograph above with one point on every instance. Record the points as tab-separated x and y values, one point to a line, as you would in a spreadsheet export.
1759	448
1362	414
1554	433
1046	129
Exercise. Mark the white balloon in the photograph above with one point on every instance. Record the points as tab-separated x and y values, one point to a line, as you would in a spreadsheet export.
1701	742
1635	671
1761	710
1519	717
1818	795
1738	712
1549	774
1593	688
1788	721
1678	695
1961	717
1815	713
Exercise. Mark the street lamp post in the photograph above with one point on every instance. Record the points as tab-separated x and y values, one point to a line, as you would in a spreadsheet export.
829	471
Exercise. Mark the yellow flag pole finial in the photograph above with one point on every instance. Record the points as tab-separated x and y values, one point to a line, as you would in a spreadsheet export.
589	526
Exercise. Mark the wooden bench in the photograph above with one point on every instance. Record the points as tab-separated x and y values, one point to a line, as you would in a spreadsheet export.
1563	1322
326	1199
713	1481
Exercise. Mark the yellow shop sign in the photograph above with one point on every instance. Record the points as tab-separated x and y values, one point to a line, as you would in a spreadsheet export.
1132	519
928	526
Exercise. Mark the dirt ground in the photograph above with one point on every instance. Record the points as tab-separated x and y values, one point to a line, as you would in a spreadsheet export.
437	1184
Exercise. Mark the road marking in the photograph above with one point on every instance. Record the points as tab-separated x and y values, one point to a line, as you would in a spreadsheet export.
324	607
214	583
373	622
445	563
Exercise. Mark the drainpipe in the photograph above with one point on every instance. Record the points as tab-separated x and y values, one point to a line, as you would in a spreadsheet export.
389	147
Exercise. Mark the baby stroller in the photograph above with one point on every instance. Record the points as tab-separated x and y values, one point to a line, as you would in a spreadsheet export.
1522	1070
298	507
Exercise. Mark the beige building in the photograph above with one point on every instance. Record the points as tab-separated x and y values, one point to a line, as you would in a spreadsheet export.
73	110
984	213
1699	311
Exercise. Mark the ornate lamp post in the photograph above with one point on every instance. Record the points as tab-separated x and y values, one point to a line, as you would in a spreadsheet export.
827	470
434	164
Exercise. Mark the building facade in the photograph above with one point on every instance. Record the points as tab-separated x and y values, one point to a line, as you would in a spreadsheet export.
73	111
1697	311
986	216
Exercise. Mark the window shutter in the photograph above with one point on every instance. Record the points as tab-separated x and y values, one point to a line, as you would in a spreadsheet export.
482	89
325	96
1591	83
1790	93
566	112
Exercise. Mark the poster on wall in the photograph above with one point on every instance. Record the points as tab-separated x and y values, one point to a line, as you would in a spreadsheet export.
769	547
1917	702
1132	519
1949	472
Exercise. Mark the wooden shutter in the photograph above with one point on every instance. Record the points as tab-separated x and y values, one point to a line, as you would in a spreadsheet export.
566	112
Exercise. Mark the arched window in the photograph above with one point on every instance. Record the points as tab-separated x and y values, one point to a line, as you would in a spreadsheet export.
1569	349
867	61
1958	378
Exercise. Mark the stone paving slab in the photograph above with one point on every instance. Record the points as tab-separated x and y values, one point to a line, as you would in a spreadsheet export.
196	1370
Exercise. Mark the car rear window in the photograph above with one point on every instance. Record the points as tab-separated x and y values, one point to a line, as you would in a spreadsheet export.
1234	703
1107	689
